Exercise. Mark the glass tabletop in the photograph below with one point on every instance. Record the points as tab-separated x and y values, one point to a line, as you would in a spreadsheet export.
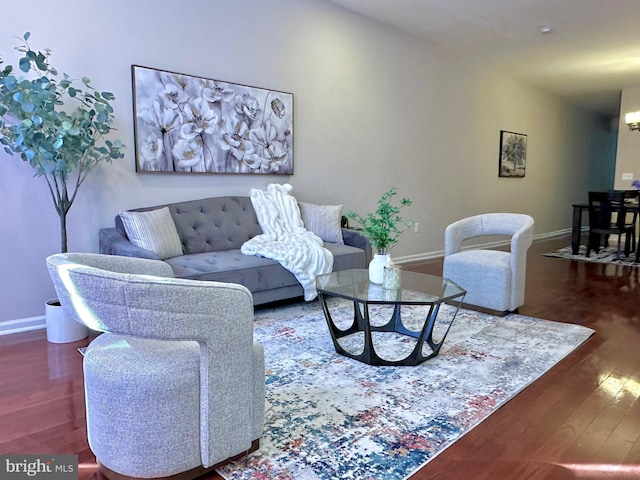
416	288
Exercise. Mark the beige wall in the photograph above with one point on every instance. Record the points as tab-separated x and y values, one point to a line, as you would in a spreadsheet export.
628	152
374	108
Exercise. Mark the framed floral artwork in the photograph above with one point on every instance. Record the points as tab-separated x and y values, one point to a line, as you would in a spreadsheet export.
513	154
187	124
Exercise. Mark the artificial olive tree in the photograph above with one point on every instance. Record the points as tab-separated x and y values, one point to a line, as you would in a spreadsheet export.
55	125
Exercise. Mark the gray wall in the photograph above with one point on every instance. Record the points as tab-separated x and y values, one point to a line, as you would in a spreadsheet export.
628	154
374	108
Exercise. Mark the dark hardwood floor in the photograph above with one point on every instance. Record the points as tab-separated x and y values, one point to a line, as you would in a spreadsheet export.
580	420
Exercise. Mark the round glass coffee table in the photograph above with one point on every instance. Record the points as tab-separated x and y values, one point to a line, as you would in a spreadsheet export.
378	312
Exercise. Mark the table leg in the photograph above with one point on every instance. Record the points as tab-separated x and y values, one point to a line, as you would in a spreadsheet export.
576	228
361	323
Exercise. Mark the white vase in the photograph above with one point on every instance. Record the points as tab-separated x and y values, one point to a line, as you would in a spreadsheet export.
376	267
61	328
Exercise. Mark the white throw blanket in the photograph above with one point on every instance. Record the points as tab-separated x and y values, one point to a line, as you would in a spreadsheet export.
285	239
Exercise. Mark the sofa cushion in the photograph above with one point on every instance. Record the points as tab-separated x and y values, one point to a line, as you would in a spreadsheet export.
323	220
346	257
254	272
214	224
153	230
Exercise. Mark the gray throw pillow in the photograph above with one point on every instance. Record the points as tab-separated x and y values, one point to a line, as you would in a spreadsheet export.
323	220
153	230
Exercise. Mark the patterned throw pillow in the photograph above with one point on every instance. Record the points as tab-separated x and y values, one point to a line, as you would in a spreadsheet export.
323	220
153	230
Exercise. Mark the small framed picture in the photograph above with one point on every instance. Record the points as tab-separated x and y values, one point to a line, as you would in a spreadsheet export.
513	154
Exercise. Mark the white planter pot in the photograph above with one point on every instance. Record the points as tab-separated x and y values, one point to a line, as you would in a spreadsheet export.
60	328
376	267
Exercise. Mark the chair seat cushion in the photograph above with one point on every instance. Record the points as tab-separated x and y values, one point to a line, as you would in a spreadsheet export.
142	402
484	274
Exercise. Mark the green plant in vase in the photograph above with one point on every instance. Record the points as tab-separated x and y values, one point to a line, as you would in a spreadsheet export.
56	126
383	229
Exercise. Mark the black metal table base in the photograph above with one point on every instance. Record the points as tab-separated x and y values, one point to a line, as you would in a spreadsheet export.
361	323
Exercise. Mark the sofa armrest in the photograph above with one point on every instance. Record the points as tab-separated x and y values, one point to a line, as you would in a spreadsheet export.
354	238
112	242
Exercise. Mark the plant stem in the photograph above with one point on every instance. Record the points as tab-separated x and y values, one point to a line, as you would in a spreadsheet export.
63	231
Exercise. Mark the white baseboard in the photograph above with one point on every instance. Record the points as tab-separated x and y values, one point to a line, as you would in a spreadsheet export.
36	323
440	253
22	325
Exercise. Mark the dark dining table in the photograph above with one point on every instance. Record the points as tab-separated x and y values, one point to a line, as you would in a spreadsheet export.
576	226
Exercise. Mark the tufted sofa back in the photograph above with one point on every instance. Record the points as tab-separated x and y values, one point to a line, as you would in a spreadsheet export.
210	224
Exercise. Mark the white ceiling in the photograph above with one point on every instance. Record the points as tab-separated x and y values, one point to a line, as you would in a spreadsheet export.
592	53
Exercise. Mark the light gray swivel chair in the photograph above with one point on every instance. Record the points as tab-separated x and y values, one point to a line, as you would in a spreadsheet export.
177	383
494	280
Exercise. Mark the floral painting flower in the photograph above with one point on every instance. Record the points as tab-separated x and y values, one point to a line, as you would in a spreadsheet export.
164	119
173	96
199	119
247	106
217	93
151	151
190	124
188	153
263	136
239	146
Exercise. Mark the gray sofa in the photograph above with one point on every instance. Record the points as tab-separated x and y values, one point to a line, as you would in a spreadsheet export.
212	231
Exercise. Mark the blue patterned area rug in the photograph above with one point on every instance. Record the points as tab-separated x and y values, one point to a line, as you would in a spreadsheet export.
605	255
330	417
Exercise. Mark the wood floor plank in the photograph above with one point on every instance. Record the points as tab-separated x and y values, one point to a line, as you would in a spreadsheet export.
626	433
633	457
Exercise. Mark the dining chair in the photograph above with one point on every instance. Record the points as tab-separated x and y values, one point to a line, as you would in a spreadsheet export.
608	216
630	199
